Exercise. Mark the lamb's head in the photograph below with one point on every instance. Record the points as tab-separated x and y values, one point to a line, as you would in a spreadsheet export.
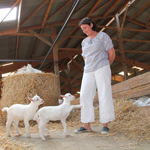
68	97
37	100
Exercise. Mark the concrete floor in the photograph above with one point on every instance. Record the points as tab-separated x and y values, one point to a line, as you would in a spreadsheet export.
84	141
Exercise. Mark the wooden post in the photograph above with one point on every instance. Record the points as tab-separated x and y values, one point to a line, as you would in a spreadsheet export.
122	48
68	75
55	56
0	84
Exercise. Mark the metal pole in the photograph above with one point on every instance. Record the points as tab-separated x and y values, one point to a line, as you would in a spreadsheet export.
74	6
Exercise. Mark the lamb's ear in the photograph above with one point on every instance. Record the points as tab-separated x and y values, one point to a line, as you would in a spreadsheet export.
30	99
63	96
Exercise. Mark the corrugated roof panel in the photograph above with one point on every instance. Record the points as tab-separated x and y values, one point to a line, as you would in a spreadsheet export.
7	47
26	46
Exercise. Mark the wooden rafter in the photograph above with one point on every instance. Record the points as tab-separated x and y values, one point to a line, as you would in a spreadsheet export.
111	7
59	10
40	37
134	51
34	27
117	78
74	36
123	58
55	52
121	7
148	21
17	47
19	15
134	21
36	45
93	8
13	6
78	65
47	12
102	6
67	35
134	63
125	14
87	15
131	35
140	10
37	9
83	6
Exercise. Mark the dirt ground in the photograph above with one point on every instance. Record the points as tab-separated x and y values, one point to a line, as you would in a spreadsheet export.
58	141
129	131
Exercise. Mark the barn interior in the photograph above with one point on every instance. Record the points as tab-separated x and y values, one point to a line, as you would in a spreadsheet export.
45	34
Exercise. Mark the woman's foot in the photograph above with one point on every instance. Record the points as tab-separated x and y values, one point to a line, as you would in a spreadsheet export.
105	130
82	129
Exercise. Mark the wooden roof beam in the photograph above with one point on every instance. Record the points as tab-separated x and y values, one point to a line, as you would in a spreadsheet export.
59	10
59	23
134	21
124	18
133	40
74	36
134	51
93	8
19	15
121	7
40	37
13	6
87	15
78	65
117	78
140	10
148	21
111	7
15	66
134	63
17	47
37	9
47	12
36	45
83	6
101	6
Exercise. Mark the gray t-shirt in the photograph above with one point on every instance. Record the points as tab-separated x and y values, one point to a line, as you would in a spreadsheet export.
96	51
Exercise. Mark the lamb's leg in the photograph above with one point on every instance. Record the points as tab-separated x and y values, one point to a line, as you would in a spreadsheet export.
8	124
27	126
75	106
16	122
46	130
41	126
63	121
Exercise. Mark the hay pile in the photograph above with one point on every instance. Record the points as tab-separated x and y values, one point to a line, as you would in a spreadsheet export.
17	88
128	122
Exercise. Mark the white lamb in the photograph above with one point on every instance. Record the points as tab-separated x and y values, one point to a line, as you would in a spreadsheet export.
53	113
19	112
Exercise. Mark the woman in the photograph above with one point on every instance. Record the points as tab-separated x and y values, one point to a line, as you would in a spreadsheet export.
98	54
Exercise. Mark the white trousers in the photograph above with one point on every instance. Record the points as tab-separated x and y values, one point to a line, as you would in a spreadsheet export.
100	80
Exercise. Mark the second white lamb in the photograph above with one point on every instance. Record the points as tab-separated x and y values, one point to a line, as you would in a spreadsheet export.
54	113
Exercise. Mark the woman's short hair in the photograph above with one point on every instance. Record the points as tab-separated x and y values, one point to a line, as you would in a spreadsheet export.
88	21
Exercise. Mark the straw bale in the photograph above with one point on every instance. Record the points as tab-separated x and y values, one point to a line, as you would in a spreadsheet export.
17	88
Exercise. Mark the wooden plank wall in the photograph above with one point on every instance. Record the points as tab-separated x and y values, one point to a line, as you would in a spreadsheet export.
132	88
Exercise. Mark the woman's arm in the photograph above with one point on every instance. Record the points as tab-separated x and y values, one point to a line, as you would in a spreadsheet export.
111	55
84	58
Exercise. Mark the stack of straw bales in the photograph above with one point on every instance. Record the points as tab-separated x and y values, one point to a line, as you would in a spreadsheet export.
17	88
